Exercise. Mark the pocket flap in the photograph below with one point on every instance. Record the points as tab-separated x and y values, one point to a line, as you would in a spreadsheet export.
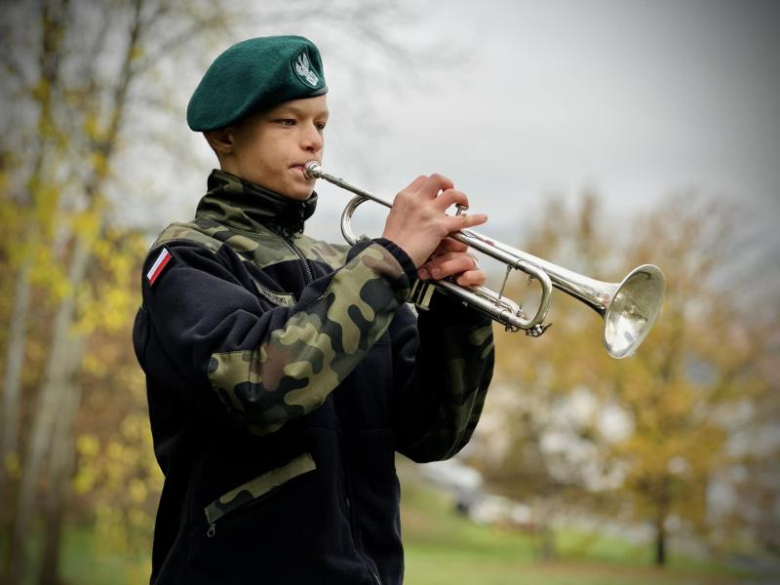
258	487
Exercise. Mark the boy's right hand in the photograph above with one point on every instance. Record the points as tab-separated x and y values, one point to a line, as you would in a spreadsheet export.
418	221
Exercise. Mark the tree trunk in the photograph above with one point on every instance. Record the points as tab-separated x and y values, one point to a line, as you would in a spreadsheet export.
546	535
12	379
660	537
53	18
547	550
60	369
62	464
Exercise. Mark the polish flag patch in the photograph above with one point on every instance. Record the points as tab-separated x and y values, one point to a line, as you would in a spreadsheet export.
158	266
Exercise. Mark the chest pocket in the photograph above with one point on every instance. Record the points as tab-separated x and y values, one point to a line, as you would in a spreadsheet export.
256	489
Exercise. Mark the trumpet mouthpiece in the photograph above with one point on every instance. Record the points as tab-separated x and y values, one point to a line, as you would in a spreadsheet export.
312	170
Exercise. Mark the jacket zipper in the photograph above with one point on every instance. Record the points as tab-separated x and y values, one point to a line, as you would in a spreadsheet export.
351	516
307	268
347	500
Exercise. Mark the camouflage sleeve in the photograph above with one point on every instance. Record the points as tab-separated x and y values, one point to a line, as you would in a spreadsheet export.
268	367
446	368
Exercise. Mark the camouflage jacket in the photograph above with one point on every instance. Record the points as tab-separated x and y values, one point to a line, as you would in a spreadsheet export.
283	374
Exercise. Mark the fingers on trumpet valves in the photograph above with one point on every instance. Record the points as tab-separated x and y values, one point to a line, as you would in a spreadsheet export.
449	197
456	223
453	263
461	220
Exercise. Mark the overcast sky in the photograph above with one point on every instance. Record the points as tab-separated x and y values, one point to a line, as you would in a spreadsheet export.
635	99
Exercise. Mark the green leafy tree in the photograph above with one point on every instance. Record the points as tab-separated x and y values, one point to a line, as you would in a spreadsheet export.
644	435
89	89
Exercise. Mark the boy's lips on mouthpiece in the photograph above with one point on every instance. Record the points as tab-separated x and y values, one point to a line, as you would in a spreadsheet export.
299	167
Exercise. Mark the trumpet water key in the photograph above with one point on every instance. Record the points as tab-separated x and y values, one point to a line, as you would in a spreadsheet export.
629	308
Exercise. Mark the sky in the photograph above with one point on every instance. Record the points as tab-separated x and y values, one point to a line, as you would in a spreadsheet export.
636	100
639	101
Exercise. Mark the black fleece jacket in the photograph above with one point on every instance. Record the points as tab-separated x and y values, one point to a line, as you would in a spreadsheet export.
283	374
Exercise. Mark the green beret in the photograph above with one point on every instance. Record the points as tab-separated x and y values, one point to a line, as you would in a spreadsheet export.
253	75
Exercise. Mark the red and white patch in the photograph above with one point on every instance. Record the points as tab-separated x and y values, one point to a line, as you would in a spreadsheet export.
158	266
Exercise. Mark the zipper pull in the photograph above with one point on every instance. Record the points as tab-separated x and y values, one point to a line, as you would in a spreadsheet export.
348	502
212	530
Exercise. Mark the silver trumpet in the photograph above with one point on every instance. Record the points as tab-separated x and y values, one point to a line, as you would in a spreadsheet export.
629	308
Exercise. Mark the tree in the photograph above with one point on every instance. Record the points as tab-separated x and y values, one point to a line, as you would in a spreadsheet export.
78	109
702	363
652	430
533	445
89	84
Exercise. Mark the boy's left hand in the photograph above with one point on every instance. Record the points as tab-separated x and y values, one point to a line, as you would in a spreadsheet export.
452	258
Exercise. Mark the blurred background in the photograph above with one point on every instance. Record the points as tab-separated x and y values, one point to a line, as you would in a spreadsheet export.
599	135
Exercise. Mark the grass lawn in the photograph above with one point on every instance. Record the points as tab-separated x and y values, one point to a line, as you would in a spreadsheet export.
443	547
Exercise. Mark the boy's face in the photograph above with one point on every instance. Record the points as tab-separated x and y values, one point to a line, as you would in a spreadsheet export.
270	148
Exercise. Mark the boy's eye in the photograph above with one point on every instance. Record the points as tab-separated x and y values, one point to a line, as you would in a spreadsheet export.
286	121
320	126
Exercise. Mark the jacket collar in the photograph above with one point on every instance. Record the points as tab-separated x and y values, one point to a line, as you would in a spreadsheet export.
242	205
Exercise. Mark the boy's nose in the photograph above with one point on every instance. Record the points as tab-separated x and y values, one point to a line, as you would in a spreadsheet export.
312	139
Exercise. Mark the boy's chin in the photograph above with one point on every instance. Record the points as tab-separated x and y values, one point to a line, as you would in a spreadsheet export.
298	195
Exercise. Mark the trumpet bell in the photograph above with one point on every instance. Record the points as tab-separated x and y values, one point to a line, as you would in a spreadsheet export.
635	305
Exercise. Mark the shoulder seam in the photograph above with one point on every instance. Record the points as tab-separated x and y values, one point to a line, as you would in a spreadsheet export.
184	230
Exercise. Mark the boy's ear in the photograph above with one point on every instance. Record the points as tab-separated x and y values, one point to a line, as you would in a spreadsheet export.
221	140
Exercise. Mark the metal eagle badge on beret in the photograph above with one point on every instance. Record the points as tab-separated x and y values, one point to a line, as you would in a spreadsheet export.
304	70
